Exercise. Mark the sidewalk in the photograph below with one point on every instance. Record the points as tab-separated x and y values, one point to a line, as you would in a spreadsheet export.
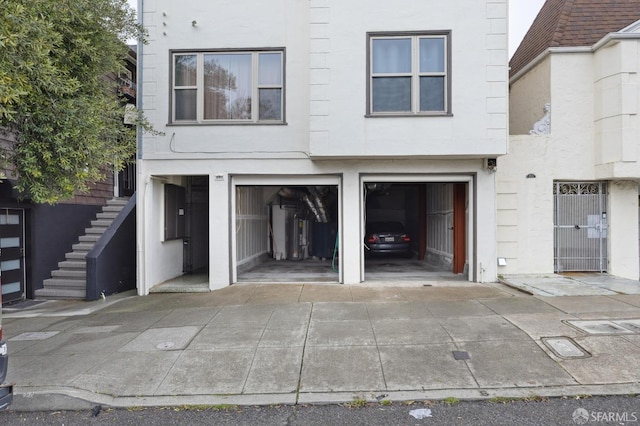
319	343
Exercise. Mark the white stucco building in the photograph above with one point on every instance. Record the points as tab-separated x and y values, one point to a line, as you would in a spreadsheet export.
568	189
295	123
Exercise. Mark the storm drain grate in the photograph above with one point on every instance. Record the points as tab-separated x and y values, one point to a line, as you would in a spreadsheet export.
565	347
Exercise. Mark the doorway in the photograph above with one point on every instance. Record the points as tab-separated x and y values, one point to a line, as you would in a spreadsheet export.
580	226
12	254
432	217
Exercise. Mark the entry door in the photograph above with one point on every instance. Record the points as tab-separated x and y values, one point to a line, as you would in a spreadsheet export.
12	254
580	226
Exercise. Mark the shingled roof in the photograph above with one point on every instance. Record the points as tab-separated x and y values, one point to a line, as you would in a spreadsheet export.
570	23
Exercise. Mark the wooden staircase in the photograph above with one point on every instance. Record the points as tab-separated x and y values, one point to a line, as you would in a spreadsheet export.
69	281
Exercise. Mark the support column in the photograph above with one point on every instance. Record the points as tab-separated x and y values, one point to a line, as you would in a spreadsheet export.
622	216
220	229
351	225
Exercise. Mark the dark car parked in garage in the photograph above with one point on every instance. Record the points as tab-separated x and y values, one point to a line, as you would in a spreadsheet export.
387	238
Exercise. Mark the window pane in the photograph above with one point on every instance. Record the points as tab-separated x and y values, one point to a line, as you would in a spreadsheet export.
10	265
186	104
9	242
391	55
432	55
227	86
270	69
8	288
432	94
185	70
391	94
270	104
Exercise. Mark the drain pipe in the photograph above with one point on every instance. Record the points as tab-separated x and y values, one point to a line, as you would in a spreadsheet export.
482	270
141	234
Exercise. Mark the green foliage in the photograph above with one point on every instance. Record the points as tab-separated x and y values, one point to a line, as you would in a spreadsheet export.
64	114
357	403
450	400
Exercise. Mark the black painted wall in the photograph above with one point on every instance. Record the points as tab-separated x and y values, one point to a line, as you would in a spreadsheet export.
53	229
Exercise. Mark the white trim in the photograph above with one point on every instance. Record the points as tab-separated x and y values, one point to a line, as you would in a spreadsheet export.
285	180
604	41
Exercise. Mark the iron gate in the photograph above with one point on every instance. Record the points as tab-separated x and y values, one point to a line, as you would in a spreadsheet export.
580	226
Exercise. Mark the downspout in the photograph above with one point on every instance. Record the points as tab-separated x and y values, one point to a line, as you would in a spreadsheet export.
142	199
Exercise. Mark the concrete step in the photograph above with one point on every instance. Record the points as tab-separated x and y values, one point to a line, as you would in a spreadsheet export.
117	202
83	246
73	264
107	215
96	230
69	281
112	209
65	283
102	223
61	293
89	238
74	274
76	255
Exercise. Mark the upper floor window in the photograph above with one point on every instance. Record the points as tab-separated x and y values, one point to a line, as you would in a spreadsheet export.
228	86
409	73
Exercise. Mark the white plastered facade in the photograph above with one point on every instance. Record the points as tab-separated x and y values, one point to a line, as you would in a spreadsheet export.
594	95
327	138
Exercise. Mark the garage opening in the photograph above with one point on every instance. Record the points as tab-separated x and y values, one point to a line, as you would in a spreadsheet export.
415	231
286	233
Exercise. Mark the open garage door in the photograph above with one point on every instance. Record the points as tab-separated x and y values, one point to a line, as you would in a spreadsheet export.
286	232
415	231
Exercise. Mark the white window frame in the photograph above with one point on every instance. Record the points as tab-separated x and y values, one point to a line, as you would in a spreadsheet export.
255	87
415	73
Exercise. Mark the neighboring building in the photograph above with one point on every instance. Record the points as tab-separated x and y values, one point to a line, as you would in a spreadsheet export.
43	247
568	190
289	126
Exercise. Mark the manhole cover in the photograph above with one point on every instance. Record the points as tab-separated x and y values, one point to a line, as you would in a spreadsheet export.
564	347
166	345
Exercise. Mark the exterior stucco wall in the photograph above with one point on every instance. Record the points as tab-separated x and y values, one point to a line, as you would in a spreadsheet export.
326	132
164	260
623	229
338	107
588	128
527	97
617	103
224	25
525	206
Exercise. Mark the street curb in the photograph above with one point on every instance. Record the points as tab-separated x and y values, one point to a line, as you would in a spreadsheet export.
64	398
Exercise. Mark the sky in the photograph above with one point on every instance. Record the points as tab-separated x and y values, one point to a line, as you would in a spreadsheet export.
521	15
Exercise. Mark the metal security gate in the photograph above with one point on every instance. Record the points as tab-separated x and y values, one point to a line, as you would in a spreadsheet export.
580	226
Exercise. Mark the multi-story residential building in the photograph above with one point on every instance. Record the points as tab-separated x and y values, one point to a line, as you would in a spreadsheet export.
288	127
43	248
568	190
